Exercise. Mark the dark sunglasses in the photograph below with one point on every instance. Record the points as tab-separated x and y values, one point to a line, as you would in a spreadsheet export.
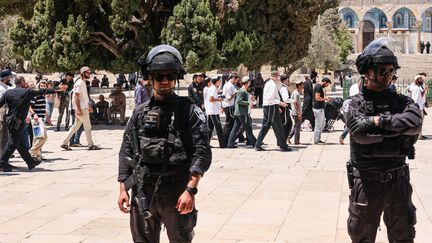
159	77
386	72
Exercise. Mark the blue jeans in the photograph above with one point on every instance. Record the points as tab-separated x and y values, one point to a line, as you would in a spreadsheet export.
75	139
49	109
26	138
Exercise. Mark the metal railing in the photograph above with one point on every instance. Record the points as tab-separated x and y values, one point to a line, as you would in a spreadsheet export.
401	87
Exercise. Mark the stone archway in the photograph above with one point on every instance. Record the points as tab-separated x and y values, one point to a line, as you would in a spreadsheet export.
368	32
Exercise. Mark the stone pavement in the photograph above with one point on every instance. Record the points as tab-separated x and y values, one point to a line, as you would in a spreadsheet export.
247	196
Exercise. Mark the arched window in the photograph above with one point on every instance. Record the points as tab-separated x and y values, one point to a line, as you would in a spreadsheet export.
383	22
399	20
349	20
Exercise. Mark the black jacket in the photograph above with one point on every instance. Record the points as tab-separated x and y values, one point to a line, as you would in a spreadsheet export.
12	98
384	147
194	134
308	99
196	94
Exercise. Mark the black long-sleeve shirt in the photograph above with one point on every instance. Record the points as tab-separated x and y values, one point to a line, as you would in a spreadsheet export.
13	98
198	148
196	94
386	146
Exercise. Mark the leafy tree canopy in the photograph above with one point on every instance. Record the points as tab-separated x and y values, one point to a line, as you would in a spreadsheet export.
7	57
16	7
331	42
62	35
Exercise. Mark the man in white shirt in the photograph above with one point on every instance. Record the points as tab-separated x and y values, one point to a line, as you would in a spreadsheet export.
355	88
418	94
80	103
212	102
271	103
285	114
229	92
5	77
296	112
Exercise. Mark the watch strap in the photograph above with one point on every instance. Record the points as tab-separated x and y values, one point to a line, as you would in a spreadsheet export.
192	190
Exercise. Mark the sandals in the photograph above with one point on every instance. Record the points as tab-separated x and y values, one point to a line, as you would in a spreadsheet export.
94	147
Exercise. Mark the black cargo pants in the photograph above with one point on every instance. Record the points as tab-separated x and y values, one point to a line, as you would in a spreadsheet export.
370	197
179	227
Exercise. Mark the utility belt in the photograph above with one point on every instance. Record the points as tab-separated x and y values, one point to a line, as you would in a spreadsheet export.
382	176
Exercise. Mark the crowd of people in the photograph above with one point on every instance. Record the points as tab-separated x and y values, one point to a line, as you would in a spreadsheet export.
166	144
29	105
284	109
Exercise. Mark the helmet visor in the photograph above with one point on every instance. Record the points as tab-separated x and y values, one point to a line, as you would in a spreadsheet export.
391	44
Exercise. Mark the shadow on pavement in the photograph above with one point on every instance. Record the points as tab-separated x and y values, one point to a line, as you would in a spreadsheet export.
95	127
9	174
51	160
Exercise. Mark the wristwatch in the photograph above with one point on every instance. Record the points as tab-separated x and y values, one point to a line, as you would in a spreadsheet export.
192	190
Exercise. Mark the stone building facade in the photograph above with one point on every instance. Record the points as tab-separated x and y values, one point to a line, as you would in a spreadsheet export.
407	21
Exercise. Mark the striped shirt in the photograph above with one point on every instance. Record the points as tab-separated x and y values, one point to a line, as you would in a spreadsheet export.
38	104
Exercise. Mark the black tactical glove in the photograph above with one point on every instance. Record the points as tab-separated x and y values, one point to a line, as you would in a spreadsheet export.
360	124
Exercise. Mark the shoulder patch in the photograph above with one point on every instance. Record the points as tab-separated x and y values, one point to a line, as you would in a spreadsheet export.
200	114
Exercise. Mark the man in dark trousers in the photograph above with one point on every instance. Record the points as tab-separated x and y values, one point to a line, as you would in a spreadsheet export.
307	113
422	47
258	84
18	101
285	96
241	108
271	114
168	139
229	92
427	47
195	91
5	77
213	110
383	126
65	102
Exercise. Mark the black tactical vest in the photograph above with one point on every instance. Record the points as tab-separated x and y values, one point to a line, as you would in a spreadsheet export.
392	148
163	135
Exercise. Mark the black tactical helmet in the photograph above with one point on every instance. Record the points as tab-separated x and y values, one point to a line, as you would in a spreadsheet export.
162	58
377	52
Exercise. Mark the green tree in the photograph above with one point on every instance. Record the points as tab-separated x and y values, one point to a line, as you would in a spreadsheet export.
344	40
7	57
331	42
275	32
192	30
112	34
105	34
323	51
16	7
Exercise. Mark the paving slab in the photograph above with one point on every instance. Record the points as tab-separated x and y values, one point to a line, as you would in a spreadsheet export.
245	197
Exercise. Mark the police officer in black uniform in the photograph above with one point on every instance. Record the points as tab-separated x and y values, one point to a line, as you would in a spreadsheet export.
165	152
384	127
195	90
18	101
